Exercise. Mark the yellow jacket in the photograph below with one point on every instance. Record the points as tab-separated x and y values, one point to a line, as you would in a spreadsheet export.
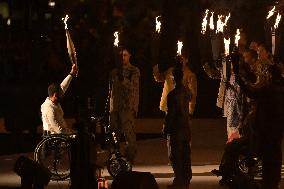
189	81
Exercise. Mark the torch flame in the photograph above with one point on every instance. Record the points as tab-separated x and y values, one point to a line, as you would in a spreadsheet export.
220	25
271	12
277	21
211	24
116	40
158	24
237	37
204	23
179	45
226	19
65	21
227	46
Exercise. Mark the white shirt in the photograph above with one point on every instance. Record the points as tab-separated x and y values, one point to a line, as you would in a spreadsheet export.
52	114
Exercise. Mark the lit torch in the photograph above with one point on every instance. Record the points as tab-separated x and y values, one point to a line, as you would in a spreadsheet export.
179	47
277	21
271	12
227	19
227	46
211	24
70	44
205	22
237	37
273	32
158	24
220	25
116	39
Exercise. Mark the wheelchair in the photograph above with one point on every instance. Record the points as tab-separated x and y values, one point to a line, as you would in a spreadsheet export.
54	151
116	162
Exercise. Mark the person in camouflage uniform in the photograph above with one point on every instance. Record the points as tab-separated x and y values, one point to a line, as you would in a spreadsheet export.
124	101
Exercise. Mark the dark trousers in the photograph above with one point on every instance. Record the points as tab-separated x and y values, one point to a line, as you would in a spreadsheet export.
181	160
271	154
229	162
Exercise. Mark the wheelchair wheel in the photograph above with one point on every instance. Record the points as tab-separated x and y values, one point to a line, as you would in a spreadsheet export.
54	153
246	167
117	164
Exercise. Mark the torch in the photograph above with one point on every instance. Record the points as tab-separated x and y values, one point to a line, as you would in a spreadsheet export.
227	46
158	24
116	39
70	45
211	24
205	22
271	13
237	38
278	19
156	40
179	47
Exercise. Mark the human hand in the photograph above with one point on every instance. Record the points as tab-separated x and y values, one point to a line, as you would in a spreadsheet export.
74	70
234	135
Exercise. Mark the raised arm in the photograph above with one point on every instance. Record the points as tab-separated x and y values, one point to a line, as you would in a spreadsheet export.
213	73
66	82
160	76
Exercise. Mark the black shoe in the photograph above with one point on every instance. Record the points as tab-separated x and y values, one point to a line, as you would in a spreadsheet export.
216	172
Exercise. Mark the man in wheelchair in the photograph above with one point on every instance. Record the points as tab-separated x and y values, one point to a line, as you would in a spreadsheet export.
244	146
51	110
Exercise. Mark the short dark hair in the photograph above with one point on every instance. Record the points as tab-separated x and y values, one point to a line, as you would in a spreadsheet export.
54	88
178	73
253	53
125	48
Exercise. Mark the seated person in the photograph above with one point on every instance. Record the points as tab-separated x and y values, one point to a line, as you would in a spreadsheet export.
246	144
51	111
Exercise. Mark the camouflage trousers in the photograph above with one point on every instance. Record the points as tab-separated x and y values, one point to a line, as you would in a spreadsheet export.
122	122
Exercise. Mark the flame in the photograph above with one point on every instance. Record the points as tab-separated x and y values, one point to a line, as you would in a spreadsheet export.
220	25
226	19
116	40
158	24
271	12
227	46
65	21
211	24
204	23
277	20
179	45
237	37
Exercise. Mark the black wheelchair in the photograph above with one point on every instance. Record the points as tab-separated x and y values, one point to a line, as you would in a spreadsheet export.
54	151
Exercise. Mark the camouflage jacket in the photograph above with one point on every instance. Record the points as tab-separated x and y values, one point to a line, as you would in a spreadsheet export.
124	89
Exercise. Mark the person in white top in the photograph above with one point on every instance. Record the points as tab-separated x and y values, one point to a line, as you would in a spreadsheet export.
51	111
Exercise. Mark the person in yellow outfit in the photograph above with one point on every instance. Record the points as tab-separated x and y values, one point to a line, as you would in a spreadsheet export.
189	81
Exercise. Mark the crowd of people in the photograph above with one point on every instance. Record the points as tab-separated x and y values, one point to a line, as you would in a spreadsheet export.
253	105
251	95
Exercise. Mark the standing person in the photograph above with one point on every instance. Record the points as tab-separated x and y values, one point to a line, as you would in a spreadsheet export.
230	97
124	101
189	80
51	110
177	126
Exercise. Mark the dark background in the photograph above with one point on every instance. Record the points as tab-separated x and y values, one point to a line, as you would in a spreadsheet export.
33	49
